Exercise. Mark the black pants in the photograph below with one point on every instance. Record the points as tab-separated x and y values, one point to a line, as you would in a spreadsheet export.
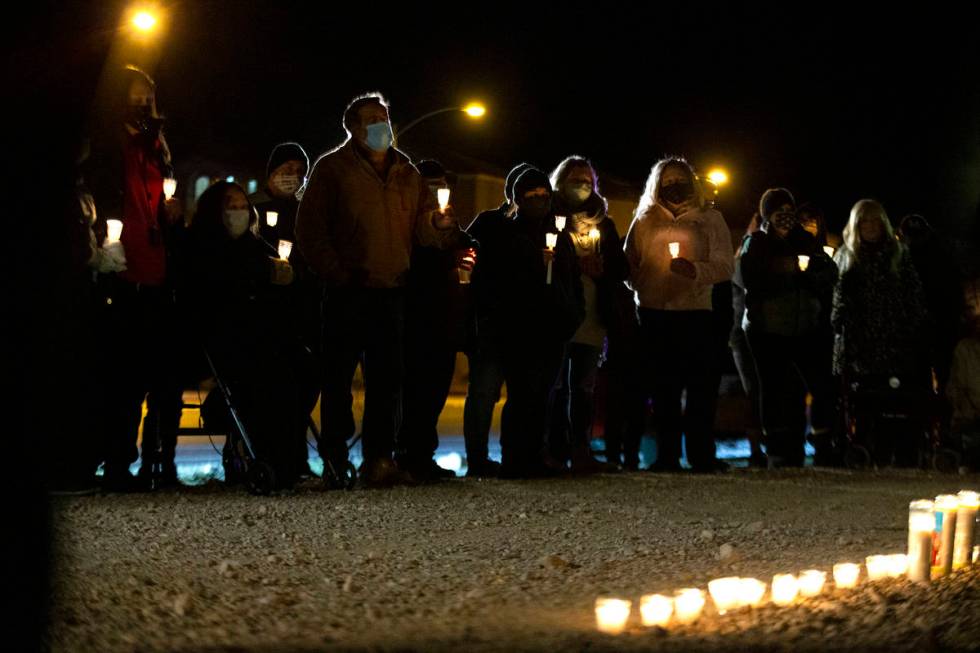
626	406
430	360
482	394
572	401
362	326
680	356
141	351
530	373
787	369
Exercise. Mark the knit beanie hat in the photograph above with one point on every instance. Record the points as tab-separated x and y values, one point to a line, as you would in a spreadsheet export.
512	176
287	152
529	180
772	199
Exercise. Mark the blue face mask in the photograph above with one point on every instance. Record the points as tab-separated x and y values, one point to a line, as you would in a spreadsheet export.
379	136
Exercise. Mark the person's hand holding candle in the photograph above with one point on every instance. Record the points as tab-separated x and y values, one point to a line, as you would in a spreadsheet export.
444	218
684	268
282	272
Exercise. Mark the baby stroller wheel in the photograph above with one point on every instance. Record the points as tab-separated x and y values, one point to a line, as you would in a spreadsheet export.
261	478
339	477
857	457
946	461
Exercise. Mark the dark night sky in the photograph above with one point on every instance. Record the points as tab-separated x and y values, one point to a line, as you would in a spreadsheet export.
836	107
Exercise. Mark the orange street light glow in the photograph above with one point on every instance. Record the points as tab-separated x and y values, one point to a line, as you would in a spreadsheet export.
144	21
475	110
718	177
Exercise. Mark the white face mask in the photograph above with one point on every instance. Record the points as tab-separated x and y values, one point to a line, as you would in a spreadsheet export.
286	184
235	221
578	193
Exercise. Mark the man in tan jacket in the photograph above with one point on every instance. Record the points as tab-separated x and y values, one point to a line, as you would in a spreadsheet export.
364	208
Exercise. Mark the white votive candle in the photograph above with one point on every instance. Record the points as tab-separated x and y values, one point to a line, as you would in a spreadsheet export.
922	523
751	591
285	249
878	567
656	609
785	587
688	604
945	529
966	521
169	187
898	564
812	582
442	195
803	261
611	615
272	218
675	249
846	574
725	593
560	222
828	250
113	231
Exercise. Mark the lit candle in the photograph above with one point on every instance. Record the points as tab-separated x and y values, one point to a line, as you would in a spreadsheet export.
688	604
976	553
785	587
675	249
725	593
803	261
550	241
272	218
846	574
442	195
898	564
922	523
655	609
966	518
560	222
285	249
611	615
751	591
945	529
169	187
114	232
828	250
594	237
878	567
812	582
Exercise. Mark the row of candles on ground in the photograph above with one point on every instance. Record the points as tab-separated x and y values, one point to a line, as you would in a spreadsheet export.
936	548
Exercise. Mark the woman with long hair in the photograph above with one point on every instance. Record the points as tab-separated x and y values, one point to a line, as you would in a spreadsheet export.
678	249
879	314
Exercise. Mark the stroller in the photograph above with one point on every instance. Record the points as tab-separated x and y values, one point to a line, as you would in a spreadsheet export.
894	418
239	456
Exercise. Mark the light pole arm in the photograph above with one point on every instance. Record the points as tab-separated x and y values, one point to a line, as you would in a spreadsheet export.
401	132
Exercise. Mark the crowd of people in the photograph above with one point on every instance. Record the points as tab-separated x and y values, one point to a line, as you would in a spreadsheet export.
543	295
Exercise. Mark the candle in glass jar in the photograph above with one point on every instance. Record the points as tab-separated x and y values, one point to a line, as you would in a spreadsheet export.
751	591
688	604
560	222
656	609
812	582
725	593
803	261
878	567
966	519
272	218
922	523
285	249
945	533
675	249
785	587
550	241
169	188
898	564
114	231
442	195
846	574
611	615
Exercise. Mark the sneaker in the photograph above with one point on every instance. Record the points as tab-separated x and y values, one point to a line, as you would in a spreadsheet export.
428	470
583	462
483	469
383	473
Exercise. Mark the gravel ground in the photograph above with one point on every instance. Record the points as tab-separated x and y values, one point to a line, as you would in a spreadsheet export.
495	565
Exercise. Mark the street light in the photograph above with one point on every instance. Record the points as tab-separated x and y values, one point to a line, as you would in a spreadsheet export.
718	177
144	21
474	110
